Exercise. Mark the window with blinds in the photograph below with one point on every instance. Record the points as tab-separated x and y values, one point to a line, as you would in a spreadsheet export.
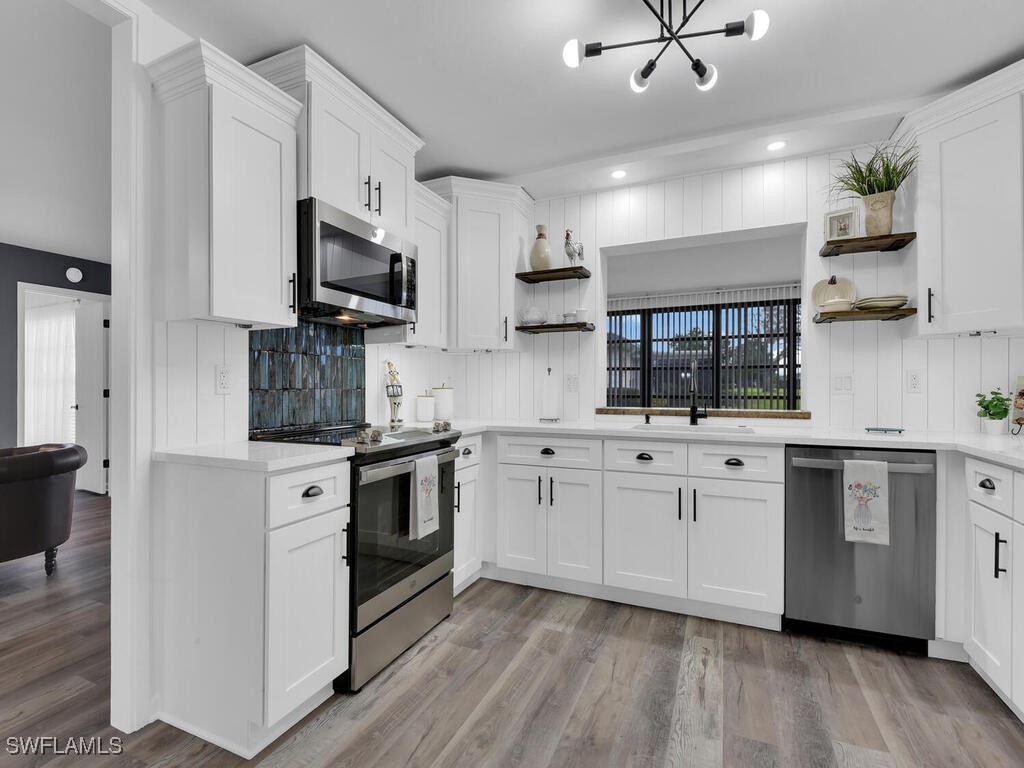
745	343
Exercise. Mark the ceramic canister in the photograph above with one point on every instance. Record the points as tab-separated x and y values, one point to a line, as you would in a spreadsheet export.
444	403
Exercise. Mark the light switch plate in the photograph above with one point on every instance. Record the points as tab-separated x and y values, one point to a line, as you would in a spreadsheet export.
572	382
222	380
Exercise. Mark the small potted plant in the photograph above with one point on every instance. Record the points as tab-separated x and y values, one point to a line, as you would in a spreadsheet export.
993	411
877	180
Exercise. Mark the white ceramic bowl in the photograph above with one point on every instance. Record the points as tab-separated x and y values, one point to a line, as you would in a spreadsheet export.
836	305
582	315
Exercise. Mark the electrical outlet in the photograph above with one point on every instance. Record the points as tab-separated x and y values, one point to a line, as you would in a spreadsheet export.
572	382
221	380
842	383
915	382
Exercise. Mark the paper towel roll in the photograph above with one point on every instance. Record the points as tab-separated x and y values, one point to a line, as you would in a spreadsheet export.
444	403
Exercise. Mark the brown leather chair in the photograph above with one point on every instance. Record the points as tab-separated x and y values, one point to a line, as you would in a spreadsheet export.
37	486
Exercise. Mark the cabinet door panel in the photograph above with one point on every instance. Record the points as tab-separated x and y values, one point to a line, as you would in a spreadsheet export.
252	213
431	253
736	544
522	519
574	524
1017	633
645	532
392	171
990	624
307	610
482	228
467	533
339	154
969	230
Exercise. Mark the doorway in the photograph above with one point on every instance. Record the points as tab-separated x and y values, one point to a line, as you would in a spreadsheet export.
63	374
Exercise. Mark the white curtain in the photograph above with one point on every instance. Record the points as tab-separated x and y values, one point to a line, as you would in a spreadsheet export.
50	374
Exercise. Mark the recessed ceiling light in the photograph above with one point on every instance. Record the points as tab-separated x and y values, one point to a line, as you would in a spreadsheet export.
775	146
618	174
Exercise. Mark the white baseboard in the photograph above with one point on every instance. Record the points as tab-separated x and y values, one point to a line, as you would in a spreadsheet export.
631	597
947	649
465	583
1005	699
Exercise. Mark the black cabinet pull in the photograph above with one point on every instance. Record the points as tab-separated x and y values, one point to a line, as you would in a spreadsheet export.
540	497
344	532
551	490
379	198
695	505
291	282
931	295
734	462
547	452
312	492
999	541
368	184
458	497
413	329
680	504
467	451
506	327
987	484
644	457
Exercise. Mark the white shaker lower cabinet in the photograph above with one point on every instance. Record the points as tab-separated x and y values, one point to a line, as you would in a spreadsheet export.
989	636
252	603
735	552
549	521
1017	578
307	610
645	532
467	525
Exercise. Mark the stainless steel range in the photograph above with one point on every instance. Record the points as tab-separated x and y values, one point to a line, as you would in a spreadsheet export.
400	587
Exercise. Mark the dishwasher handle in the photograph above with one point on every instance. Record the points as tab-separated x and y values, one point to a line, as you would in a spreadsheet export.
898	469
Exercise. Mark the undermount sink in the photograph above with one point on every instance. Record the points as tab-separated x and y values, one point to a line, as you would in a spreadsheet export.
708	429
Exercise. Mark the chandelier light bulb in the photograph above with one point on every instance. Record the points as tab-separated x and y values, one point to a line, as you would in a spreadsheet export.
756	24
707	75
572	53
638	81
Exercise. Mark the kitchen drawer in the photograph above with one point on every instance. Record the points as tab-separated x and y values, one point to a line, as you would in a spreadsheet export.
999	495
292	497
650	457
549	452
469	451
738	462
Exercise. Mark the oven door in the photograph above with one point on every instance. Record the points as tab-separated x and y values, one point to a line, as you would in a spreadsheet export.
390	567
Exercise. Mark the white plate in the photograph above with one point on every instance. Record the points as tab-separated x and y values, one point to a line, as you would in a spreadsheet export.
824	291
837	305
881	303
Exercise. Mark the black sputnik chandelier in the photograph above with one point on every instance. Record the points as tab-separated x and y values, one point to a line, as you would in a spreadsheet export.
755	26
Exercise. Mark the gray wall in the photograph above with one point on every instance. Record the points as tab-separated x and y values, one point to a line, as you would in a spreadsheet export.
24	265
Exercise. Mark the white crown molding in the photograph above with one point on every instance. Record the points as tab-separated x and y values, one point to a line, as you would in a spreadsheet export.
426	198
450	187
1005	82
198	65
302	64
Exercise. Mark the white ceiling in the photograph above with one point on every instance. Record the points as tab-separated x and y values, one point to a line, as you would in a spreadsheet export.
484	85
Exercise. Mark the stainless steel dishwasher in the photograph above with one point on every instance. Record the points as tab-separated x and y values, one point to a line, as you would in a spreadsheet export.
867	588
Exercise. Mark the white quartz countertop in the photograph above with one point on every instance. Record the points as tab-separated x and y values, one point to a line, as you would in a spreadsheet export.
1000	449
255	456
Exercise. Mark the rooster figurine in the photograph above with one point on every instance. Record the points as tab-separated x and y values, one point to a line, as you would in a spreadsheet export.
574	250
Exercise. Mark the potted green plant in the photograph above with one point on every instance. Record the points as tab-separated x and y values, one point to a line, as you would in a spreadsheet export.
993	411
877	180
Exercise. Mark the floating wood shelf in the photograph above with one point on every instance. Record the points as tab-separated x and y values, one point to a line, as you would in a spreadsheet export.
557	328
855	315
558	273
892	242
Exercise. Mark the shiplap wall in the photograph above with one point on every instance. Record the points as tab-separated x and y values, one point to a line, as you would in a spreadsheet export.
875	357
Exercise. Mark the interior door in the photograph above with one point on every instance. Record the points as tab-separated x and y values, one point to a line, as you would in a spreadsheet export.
90	384
574	524
989	633
522	518
645	532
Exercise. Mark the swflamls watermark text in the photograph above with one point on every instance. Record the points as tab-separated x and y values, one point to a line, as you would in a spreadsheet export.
52	745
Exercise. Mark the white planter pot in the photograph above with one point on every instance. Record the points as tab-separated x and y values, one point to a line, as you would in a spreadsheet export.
993	427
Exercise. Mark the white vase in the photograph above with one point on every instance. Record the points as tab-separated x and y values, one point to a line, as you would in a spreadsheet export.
540	254
993	426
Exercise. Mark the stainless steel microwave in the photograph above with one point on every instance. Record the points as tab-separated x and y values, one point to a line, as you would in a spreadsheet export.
352	272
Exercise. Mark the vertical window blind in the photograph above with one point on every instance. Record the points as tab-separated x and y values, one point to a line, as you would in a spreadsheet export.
745	342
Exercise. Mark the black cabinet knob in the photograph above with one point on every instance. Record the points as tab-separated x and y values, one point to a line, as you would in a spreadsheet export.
467	452
547	451
734	462
644	457
987	484
312	492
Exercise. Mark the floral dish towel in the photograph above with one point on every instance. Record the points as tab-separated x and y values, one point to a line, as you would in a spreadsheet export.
866	501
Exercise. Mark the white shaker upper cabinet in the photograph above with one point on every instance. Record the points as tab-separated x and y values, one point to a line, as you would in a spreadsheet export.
971	235
489	224
353	154
228	190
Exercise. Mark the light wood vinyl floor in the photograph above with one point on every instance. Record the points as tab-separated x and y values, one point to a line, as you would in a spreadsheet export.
523	677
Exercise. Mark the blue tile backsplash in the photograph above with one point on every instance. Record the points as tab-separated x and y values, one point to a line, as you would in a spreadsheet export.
311	375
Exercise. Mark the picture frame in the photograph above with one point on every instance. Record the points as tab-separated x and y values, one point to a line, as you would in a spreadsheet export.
842	224
1018	405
